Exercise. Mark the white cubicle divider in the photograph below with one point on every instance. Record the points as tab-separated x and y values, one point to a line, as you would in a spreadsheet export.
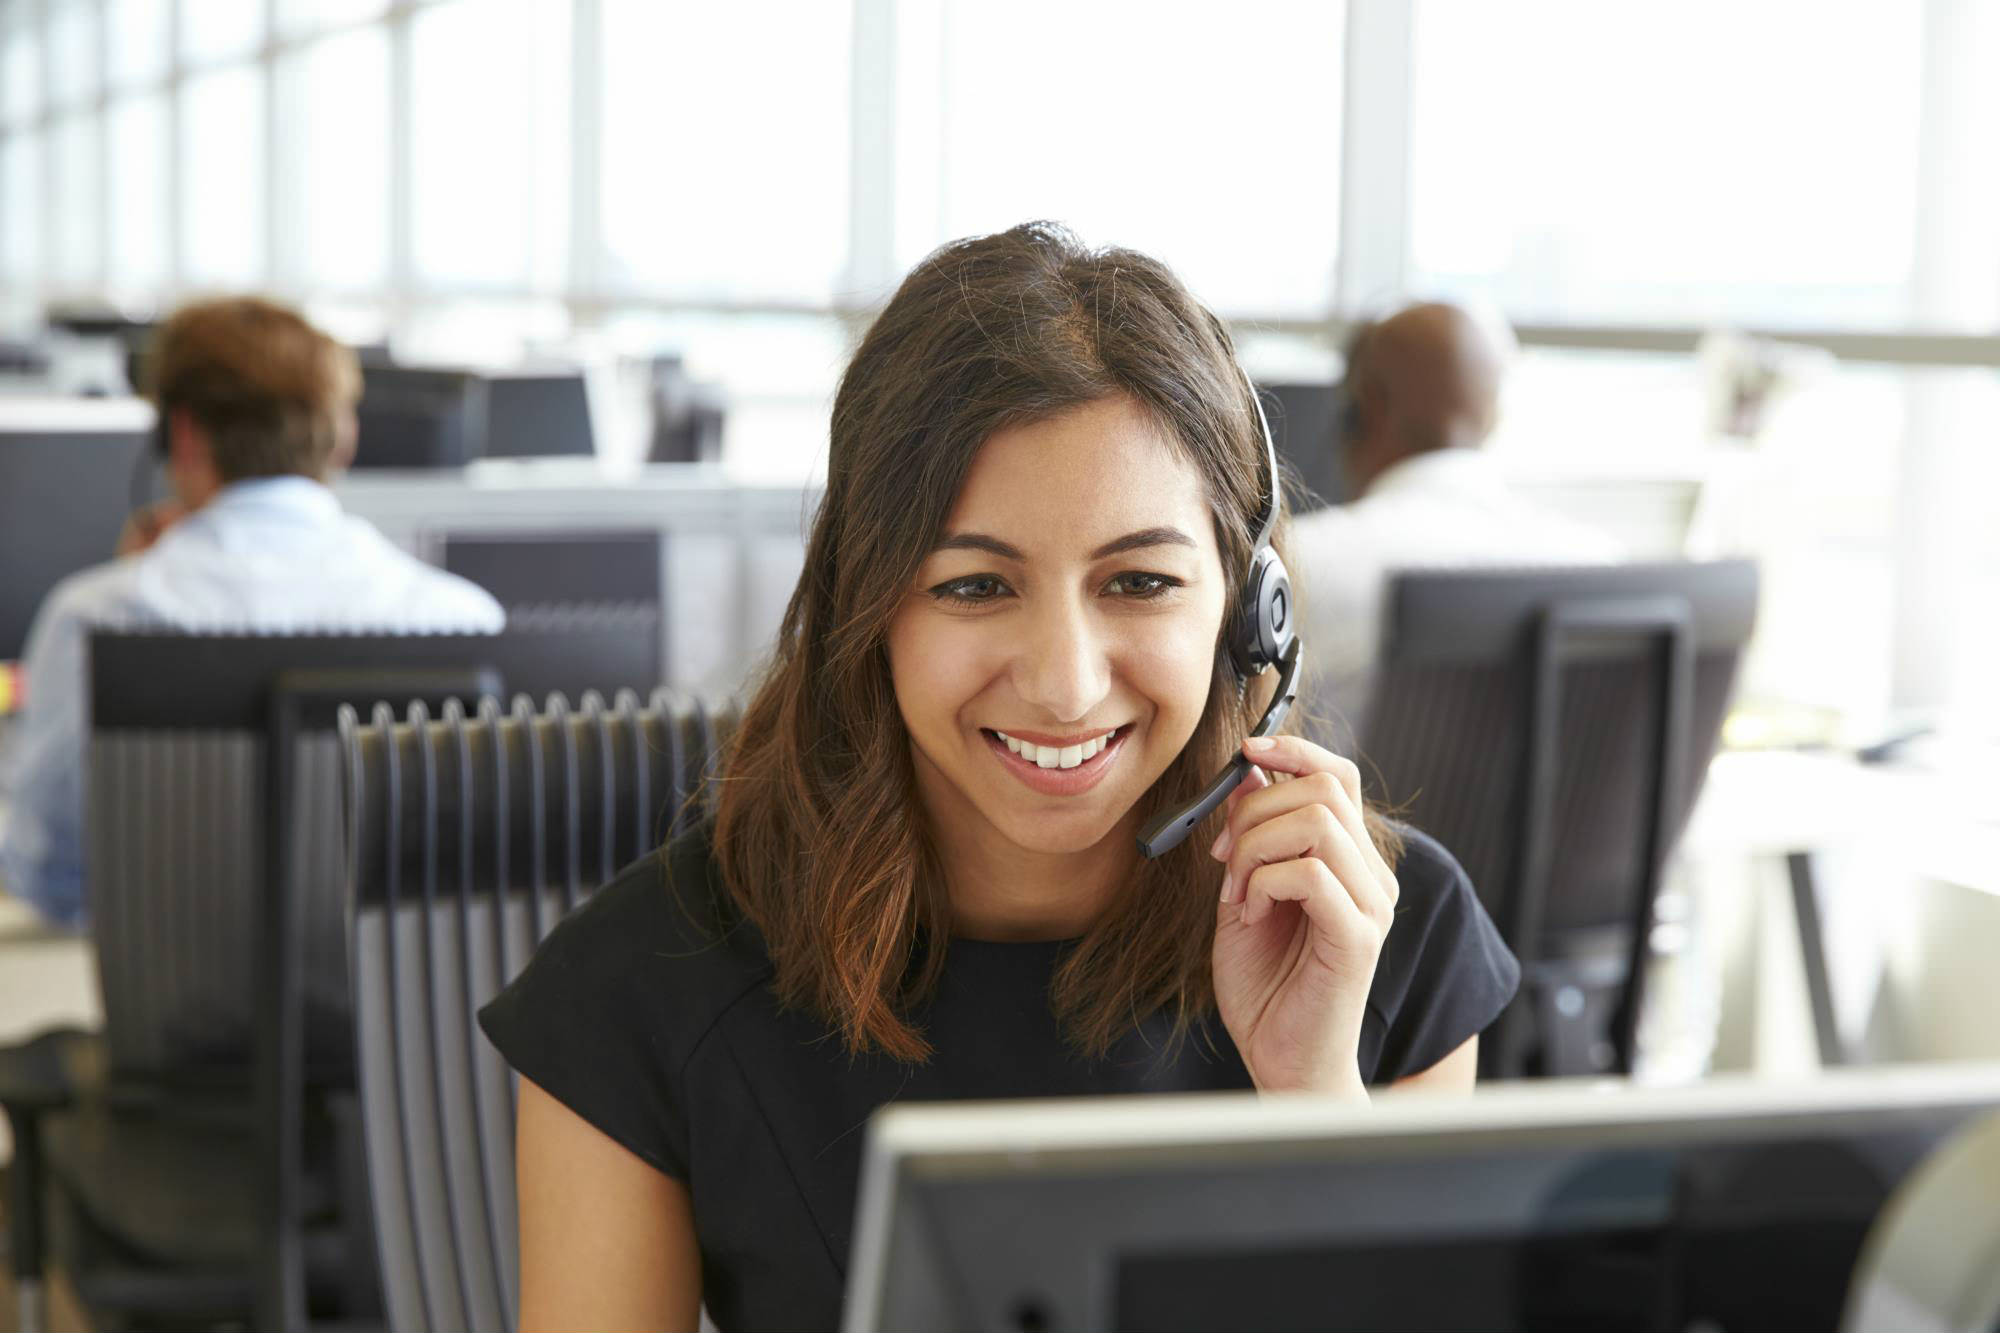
732	551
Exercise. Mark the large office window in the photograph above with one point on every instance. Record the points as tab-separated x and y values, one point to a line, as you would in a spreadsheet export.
139	150
20	68
20	207
334	186
300	17
222	189
137	40
486	75
726	148
77	242
74	69
218	30
1211	143
1702	161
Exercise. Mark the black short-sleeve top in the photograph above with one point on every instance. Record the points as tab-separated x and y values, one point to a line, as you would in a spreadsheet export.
650	1013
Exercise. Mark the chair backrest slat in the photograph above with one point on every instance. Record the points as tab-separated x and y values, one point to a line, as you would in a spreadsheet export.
502	823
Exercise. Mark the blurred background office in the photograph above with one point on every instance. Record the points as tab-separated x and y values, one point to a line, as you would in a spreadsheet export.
604	260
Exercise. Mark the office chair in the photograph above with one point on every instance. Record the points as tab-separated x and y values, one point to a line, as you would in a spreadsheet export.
469	838
197	1144
1552	728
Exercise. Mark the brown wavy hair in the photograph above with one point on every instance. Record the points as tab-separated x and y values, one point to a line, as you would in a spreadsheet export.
819	833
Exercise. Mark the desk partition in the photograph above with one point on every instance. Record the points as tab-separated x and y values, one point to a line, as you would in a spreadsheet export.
732	551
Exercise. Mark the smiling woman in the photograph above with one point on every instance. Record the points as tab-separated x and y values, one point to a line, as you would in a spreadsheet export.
1005	655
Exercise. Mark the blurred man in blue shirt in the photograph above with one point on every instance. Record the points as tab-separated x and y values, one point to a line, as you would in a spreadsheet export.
256	411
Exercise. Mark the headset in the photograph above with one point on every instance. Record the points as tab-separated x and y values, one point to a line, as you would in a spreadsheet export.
1263	635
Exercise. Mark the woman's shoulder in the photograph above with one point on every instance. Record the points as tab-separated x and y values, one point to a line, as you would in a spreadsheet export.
1426	871
659	948
672	897
1444	972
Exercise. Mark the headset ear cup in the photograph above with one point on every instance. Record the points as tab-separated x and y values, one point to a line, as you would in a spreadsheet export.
1266	624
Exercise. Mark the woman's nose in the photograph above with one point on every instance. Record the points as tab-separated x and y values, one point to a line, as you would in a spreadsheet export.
1062	664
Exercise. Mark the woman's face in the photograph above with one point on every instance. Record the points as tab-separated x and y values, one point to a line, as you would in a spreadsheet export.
1056	651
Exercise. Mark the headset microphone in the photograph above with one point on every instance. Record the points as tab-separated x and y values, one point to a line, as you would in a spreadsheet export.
1263	636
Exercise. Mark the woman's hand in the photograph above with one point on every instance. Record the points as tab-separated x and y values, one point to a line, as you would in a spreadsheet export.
1306	903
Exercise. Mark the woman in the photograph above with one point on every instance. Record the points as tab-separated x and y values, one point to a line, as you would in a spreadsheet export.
922	880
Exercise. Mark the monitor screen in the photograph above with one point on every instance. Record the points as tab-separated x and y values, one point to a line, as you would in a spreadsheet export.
419	418
64	497
537	415
1735	1204
1302	427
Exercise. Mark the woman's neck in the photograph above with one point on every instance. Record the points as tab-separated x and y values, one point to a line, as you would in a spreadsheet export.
1003	891
1000	891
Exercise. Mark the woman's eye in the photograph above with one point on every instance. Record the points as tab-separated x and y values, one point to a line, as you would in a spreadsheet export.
1143	586
979	588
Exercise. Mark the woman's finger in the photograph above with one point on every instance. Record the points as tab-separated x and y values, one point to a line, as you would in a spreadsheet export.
1311	831
1310	884
1353	817
1275	799
1306	758
1290	754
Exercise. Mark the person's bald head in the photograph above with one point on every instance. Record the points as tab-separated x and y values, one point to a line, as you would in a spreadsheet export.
1424	379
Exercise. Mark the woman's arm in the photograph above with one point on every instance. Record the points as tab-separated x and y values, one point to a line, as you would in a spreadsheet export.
607	1241
1455	1073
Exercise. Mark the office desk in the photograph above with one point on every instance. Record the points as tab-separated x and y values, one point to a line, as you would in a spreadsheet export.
1819	886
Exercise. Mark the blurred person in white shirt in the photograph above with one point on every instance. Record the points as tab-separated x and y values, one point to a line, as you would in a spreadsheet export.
256	416
1420	398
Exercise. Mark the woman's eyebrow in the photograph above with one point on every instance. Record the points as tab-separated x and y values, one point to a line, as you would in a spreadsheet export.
1131	541
979	541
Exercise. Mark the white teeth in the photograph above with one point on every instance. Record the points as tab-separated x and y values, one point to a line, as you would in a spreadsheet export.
1052	756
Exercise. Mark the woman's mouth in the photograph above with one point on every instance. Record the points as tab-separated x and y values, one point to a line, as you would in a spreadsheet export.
1058	769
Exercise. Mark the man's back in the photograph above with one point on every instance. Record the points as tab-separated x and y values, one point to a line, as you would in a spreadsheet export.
274	554
1452	509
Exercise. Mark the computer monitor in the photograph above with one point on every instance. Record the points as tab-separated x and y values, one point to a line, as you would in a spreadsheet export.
411	417
65	491
539	567
1731	1205
537	414
616	574
1302	417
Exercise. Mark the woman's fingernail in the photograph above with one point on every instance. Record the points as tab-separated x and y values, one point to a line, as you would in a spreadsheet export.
1223	841
1259	743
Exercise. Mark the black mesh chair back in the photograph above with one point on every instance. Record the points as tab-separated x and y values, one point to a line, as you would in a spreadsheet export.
176	811
1552	728
176	868
470	837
